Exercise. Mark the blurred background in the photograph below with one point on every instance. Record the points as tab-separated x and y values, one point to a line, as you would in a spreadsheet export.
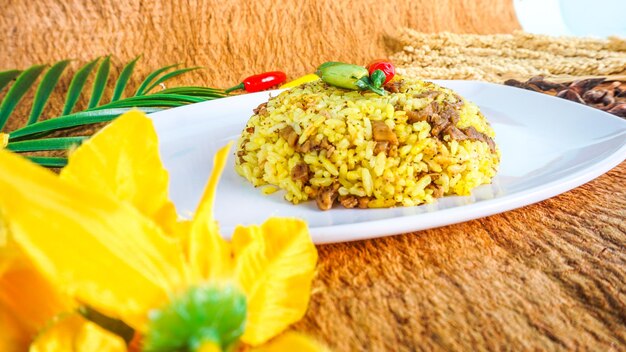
572	17
232	39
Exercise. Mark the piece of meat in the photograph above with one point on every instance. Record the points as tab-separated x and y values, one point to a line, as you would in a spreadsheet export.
392	151
436	107
327	146
455	133
261	109
393	87
469	133
473	134
420	115
329	151
348	201
459	101
324	144
438	124
240	154
382	133
415	116
326	196
428	94
363	201
290	135
300	172
381	147
305	147
451	115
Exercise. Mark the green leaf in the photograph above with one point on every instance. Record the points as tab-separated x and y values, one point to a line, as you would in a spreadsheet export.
378	77
7	76
155	100
149	99
45	88
73	120
170	76
195	91
45	144
23	82
48	161
122	80
76	86
100	82
148	103
152	76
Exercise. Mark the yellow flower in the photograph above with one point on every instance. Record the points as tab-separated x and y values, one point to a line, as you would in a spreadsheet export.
106	233
31	307
4	140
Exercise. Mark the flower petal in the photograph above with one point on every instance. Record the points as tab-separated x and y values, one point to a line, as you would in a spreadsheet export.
123	160
25	294
74	333
13	336
291	341
103	252
209	254
4	140
274	265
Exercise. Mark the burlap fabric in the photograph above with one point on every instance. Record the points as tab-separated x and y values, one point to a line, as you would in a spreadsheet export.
549	276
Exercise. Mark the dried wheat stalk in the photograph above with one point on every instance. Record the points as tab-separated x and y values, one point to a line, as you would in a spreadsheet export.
499	57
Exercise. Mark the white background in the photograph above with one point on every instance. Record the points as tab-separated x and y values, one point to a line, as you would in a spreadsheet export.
598	18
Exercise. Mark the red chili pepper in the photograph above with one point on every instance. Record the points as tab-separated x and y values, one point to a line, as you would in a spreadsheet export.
260	82
387	71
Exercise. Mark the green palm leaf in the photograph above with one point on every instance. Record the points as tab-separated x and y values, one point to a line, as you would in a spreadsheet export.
23	82
100	83
153	100
76	86
45	144
7	76
32	137
48	161
170	76
47	84
73	120
122	81
142	88
195	91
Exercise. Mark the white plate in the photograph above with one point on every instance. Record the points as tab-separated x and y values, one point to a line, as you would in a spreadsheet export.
549	146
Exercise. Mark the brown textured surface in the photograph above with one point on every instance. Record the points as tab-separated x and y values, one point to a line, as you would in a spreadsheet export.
549	276
231	38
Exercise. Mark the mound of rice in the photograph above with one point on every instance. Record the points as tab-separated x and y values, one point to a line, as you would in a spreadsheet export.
419	142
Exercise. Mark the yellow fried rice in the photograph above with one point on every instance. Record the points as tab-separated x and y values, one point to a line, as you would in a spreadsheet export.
359	149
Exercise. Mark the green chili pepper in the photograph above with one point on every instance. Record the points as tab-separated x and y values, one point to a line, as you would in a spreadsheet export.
347	76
